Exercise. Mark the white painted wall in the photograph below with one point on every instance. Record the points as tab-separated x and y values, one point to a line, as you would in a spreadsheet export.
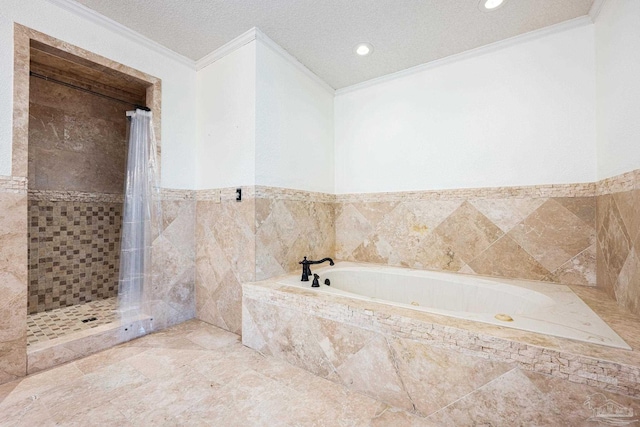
617	32
522	115
178	80
294	126
227	120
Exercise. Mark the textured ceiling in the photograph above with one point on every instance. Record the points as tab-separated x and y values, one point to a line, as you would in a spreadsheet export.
322	33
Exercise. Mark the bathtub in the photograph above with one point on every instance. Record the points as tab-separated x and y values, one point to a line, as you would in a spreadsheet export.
544	308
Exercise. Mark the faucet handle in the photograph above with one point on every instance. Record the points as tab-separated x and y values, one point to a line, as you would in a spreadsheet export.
316	283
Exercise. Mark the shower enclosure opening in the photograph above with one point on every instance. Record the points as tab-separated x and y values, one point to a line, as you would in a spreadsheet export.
77	158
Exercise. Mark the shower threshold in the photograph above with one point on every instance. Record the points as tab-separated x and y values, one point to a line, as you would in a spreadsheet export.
61	335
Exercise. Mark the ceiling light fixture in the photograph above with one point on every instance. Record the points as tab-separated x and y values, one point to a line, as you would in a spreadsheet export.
490	5
363	49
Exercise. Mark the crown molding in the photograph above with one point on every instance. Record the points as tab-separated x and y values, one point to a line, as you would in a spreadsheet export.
255	34
482	50
595	10
110	24
224	50
276	48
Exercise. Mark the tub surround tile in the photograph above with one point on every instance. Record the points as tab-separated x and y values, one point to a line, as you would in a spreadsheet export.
507	213
468	232
531	238
262	236
290	230
505	258
618	239
531	399
611	369
553	235
579	270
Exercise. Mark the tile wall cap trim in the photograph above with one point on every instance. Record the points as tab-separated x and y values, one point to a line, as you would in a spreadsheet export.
207	195
535	191
225	193
280	193
13	184
74	196
177	194
131	35
619	183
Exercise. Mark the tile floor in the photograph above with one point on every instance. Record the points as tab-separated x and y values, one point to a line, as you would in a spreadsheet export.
195	374
49	325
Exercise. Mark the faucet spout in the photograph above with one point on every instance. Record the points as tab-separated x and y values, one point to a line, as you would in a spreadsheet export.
306	270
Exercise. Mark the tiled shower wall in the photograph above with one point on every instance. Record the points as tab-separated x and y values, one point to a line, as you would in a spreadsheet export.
77	158
74	250
618	231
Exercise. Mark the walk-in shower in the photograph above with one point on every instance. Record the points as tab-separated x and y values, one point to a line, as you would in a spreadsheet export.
78	155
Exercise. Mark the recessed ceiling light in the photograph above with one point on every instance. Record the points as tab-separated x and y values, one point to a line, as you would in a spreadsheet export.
363	49
489	5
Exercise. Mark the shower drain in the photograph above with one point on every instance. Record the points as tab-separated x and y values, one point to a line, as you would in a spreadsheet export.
90	319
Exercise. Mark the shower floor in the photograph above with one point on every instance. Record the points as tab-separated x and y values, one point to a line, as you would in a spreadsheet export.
57	323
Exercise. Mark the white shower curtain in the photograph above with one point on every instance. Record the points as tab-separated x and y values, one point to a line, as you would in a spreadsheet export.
141	218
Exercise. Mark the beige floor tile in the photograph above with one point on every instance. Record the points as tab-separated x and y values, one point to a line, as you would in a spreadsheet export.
215	381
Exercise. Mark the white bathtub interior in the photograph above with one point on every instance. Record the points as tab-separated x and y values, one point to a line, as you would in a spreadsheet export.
544	308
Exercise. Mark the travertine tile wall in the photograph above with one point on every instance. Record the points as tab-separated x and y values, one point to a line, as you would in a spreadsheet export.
264	235
418	361
618	238
77	159
538	233
225	254
171	298
291	224
13	278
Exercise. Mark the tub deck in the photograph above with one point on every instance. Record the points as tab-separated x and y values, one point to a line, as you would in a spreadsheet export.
338	324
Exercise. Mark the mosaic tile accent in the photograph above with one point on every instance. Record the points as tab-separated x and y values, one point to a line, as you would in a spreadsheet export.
618	240
74	253
60	322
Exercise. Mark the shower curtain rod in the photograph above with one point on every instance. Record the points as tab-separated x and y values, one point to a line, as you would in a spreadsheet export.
69	85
